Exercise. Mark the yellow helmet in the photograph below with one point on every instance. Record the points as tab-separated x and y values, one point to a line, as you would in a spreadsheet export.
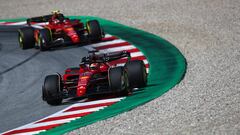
56	12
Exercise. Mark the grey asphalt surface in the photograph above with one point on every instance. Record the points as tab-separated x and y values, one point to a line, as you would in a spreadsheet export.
207	32
22	74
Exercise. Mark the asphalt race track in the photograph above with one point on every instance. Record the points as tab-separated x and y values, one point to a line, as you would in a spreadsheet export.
22	73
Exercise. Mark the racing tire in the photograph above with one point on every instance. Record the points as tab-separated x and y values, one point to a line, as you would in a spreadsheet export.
137	74
26	38
118	80
52	90
44	39
94	30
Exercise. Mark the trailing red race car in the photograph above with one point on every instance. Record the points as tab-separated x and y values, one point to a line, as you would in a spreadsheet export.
58	30
96	75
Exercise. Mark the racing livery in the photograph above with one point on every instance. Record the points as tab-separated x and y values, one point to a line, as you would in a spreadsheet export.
57	30
96	75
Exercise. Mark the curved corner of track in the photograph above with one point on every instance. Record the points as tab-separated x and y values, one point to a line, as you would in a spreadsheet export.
166	66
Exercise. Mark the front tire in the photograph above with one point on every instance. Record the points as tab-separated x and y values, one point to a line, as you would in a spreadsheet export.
52	90
44	39
26	38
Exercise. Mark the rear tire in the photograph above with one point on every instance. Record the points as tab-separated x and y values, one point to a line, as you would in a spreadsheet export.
95	32
118	80
26	37
52	90
44	39
137	74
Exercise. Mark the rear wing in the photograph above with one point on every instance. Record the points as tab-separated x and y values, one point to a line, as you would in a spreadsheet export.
117	55
107	57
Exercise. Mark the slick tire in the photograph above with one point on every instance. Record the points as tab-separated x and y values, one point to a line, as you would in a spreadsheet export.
26	38
137	74
44	39
52	90
118	80
95	33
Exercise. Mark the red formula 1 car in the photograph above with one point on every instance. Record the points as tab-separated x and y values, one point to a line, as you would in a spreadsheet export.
96	75
58	30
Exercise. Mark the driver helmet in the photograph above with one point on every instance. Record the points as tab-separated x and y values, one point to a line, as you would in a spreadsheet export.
56	18
56	12
94	66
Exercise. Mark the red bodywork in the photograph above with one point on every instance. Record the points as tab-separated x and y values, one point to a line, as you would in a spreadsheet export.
62	28
83	76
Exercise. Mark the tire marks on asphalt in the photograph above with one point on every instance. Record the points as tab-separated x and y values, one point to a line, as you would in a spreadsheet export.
20	63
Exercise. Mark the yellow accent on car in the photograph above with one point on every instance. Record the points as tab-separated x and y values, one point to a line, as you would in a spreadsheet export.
56	12
50	32
84	77
20	39
88	28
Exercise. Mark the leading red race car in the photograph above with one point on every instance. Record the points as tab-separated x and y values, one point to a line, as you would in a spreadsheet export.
97	74
58	30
